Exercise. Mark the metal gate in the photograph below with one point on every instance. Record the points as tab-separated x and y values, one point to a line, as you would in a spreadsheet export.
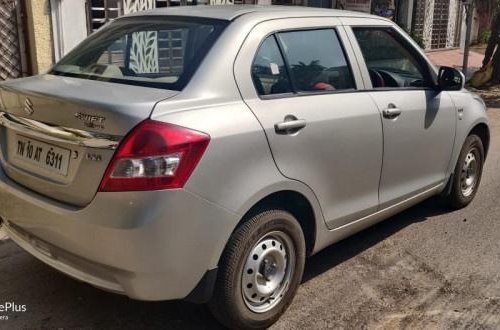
440	24
11	57
418	19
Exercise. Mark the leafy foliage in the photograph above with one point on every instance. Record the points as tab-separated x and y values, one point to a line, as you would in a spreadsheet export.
485	37
305	73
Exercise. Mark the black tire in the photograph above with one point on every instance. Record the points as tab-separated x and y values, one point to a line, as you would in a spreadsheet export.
457	199
228	304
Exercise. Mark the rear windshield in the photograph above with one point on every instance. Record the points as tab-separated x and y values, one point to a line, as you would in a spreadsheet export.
160	52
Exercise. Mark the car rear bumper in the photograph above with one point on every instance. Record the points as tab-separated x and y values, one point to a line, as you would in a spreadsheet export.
147	245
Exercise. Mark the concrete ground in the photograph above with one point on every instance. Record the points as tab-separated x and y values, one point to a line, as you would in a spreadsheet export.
455	57
424	268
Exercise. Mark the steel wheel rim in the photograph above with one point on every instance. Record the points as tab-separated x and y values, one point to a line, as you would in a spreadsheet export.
268	271
470	173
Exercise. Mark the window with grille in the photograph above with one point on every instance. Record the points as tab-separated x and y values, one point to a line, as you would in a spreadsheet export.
10	46
100	12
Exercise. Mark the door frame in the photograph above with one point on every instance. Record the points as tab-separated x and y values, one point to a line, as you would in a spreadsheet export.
243	78
243	63
416	51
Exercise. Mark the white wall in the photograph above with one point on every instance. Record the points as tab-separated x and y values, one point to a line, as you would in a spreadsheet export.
69	25
474	32
428	23
454	11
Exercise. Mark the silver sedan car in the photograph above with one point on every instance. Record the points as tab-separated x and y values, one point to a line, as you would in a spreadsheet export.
203	153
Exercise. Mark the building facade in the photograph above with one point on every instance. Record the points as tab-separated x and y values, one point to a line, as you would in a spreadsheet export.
35	34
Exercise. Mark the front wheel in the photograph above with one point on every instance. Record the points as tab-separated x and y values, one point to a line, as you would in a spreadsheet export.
467	175
260	271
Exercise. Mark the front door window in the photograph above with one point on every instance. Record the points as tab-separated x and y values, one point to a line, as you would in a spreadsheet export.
390	63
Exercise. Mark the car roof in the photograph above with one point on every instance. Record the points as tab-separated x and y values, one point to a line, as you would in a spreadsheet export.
232	12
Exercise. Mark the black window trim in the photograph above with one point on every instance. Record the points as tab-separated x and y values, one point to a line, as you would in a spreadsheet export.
293	87
294	92
429	74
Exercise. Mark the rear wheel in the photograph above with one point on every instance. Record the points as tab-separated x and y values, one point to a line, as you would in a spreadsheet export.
467	175
260	271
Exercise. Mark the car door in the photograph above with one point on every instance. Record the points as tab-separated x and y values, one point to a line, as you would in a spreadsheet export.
298	78
418	121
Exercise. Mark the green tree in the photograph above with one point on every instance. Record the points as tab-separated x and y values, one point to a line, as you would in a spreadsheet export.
486	10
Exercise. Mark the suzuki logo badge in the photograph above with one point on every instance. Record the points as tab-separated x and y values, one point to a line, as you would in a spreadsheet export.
28	106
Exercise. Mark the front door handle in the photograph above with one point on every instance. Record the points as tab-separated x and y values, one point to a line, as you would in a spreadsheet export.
290	125
391	112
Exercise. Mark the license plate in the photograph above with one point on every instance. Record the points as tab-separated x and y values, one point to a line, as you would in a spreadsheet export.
43	155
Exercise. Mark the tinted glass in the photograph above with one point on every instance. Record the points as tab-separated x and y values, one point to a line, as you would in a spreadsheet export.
389	63
268	70
317	61
148	52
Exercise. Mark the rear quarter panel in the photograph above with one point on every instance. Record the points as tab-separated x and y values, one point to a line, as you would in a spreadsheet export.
237	169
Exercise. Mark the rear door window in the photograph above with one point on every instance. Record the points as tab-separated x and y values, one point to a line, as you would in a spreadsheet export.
268	70
316	60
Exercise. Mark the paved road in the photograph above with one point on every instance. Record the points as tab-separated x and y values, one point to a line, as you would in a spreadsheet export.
424	268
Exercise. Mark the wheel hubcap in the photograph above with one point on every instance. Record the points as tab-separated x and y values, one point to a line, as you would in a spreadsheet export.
469	174
268	271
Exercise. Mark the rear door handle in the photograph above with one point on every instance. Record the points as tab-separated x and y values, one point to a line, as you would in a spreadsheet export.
291	125
391	112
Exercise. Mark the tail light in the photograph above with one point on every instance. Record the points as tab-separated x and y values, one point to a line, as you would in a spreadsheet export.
155	156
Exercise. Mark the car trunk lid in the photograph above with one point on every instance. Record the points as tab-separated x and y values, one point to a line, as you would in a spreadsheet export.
58	134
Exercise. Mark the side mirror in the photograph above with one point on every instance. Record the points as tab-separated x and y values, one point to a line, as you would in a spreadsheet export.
450	79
